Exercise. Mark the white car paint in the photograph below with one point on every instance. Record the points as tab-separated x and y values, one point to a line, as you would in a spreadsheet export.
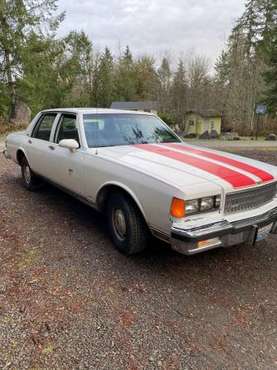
151	180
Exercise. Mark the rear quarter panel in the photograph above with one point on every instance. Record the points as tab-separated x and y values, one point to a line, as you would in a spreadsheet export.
14	142
18	140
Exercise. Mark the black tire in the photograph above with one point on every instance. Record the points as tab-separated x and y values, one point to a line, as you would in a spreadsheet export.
30	180
135	237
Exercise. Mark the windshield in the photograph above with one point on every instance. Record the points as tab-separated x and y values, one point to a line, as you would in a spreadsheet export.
125	129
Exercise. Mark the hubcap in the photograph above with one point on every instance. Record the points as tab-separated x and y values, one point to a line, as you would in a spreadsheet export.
119	223
27	174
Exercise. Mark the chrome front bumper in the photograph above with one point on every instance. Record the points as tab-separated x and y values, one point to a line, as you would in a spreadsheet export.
221	234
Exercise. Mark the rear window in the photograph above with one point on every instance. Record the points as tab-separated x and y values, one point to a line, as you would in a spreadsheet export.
44	126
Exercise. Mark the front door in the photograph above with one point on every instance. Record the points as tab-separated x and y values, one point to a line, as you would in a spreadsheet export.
66	166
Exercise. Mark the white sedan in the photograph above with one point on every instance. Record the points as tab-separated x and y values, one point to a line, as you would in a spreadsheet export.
136	170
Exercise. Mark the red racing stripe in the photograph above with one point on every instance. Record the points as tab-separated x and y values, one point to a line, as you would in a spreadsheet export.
263	175
234	178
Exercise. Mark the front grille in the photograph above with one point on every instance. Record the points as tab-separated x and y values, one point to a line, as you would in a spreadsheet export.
249	199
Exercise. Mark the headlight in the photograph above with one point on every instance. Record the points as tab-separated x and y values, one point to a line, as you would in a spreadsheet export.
206	204
192	206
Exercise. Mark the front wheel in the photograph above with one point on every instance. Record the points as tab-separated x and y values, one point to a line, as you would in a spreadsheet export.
30	180
127	227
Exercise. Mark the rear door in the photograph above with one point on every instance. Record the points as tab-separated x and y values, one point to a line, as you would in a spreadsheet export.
39	144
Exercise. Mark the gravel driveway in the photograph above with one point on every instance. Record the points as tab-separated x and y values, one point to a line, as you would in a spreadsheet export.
68	300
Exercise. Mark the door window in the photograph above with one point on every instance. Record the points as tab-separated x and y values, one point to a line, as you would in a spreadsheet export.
44	126
67	128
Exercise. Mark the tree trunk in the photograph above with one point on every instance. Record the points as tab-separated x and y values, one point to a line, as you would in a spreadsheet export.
11	87
12	109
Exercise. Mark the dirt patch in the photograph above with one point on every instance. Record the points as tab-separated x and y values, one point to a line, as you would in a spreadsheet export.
68	300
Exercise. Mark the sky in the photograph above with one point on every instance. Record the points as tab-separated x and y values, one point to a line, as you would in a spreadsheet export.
177	28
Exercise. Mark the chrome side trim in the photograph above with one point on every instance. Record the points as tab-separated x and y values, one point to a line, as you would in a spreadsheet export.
71	193
160	235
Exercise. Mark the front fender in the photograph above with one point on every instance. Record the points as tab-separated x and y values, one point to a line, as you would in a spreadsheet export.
122	186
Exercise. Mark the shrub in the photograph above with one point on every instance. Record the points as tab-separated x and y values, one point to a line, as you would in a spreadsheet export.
167	118
205	135
190	136
6	128
214	134
271	137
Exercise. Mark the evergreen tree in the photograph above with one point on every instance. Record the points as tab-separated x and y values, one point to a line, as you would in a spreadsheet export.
179	93
105	80
75	69
271	76
242	66
18	19
125	84
146	79
270	50
40	85
165	76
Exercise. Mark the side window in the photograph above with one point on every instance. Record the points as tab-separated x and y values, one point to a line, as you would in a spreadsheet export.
67	128
44	126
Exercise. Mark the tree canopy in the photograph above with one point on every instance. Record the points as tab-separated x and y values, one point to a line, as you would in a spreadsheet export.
46	71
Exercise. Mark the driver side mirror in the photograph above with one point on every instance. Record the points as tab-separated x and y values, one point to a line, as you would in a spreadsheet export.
70	144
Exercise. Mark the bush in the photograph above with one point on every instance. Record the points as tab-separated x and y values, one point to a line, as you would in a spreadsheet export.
190	136
271	137
6	128
167	118
205	135
214	134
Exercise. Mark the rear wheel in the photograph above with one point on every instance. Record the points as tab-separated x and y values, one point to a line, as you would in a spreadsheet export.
30	180
127	227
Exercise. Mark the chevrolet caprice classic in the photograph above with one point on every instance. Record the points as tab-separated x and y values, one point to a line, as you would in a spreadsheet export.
132	167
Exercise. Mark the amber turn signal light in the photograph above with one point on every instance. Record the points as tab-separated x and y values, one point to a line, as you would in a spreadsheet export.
178	208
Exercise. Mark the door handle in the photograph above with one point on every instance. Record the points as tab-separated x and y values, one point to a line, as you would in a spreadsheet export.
51	147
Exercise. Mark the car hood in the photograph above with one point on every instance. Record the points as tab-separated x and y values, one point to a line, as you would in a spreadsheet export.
184	165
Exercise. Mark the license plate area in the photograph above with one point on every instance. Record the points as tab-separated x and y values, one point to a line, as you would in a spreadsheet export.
263	232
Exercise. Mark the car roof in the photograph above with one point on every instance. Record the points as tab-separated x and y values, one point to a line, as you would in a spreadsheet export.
95	111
